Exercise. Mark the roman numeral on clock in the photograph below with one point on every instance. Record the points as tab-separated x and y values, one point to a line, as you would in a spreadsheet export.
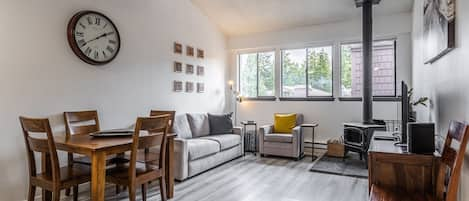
109	48
88	51
97	21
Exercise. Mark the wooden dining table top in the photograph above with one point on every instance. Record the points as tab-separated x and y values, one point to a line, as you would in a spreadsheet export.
85	143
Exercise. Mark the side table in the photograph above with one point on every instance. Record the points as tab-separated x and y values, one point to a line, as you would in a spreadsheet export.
250	137
312	126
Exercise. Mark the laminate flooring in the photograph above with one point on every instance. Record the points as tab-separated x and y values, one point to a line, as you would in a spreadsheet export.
252	178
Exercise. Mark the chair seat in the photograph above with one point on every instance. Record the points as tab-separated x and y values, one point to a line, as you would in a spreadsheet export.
84	160
69	176
279	137
382	194
120	174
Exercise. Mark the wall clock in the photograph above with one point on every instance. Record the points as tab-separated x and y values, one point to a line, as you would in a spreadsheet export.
93	37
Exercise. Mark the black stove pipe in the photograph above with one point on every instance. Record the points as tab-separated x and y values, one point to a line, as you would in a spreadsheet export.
367	61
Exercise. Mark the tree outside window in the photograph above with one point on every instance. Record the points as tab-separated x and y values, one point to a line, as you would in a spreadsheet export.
256	74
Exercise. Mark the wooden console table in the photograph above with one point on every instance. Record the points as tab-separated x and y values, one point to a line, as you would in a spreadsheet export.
392	167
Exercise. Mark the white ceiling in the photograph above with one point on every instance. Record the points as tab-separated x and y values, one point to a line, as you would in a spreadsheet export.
239	17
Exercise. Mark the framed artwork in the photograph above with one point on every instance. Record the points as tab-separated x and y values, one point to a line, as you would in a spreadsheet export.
189	87
177	86
177	48
200	70
200	53
438	28
189	69
189	51
177	67
200	87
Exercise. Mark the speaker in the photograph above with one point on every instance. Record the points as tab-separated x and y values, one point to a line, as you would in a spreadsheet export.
421	138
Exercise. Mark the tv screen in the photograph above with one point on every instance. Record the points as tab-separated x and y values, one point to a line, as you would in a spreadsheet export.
404	111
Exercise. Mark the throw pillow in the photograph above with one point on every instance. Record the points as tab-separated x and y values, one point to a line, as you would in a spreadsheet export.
284	123
199	124
181	126
220	123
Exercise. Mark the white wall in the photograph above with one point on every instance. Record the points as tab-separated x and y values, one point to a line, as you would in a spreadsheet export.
445	81
41	77
329	115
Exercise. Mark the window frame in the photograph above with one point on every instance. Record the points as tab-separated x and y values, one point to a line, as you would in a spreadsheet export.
394	97
307	97
257	52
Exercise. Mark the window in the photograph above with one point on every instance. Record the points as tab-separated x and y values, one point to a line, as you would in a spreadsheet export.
307	72
256	74
384	69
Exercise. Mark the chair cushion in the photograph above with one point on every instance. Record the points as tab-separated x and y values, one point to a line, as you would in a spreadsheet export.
284	123
199	124
220	123
226	141
199	148
181	126
279	137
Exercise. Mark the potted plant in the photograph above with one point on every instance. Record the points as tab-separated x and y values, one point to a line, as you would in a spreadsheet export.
420	101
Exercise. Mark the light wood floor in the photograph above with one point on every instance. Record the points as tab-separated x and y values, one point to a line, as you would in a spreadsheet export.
253	178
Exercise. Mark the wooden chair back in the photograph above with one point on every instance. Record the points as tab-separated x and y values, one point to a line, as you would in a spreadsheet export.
157	128
38	138
451	161
163	112
81	122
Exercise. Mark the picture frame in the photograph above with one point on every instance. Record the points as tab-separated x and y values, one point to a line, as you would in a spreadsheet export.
189	87
200	70
177	86
189	51
439	29
189	69
200	87
177	67
177	48
200	53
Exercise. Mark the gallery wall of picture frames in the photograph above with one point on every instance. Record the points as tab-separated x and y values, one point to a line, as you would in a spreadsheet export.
188	69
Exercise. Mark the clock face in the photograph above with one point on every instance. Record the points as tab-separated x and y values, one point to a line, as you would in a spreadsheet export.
93	37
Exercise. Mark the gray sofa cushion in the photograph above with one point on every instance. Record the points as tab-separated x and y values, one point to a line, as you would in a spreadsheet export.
278	137
226	141
199	124
199	148
220	123
181	126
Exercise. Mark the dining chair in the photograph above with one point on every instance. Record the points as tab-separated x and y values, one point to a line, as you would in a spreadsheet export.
151	155
84	123
149	132
448	172
39	139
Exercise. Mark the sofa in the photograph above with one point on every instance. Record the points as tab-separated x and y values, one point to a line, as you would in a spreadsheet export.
198	148
282	144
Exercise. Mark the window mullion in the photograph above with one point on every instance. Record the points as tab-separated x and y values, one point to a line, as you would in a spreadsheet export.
307	75
257	74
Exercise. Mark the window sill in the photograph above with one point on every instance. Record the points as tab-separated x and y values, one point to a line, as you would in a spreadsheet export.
306	98
377	99
259	98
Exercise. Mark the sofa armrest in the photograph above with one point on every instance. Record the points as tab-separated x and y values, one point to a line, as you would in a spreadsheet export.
297	133
266	129
181	159
238	130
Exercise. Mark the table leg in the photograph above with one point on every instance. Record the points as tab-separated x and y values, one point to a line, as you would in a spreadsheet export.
313	157
47	168
170	168
98	176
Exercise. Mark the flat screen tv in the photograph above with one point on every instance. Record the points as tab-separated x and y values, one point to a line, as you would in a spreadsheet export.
404	113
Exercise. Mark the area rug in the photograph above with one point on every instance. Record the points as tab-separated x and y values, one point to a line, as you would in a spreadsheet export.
351	166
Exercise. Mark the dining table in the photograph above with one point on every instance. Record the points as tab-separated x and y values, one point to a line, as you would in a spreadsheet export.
98	148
